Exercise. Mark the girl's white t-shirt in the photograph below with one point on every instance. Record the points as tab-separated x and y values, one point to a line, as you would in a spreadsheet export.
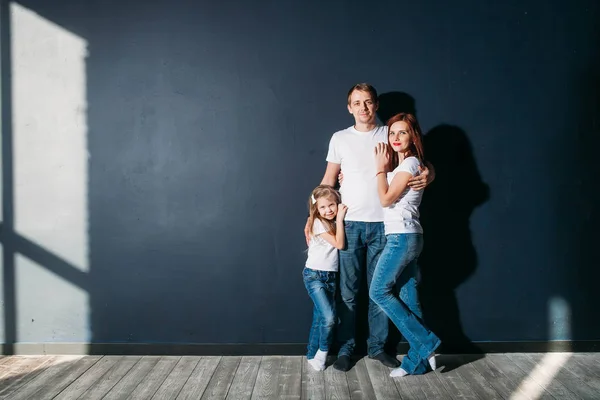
403	215
321	255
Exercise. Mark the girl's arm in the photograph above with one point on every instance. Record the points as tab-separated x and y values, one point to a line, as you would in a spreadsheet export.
339	240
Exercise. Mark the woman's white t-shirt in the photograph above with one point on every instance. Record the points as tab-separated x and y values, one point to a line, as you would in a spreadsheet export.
321	255
403	215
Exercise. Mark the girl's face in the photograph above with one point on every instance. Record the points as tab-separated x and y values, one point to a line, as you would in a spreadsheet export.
399	137
327	207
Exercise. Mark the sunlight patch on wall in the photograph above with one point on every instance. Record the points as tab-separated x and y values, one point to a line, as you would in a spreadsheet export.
49	136
50	309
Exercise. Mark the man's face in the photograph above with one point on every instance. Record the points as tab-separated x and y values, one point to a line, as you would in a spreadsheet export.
362	107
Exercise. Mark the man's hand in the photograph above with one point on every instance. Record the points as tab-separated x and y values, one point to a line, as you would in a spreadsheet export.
425	177
307	232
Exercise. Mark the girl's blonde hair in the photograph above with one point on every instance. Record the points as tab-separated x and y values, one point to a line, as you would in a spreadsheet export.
313	213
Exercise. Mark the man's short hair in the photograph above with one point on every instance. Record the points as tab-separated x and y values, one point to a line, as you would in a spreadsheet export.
363	87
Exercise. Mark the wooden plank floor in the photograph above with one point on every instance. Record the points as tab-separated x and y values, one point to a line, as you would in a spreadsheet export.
493	376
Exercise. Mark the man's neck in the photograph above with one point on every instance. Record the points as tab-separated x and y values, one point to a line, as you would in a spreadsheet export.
365	127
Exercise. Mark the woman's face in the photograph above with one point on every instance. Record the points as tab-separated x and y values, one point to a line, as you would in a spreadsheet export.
399	137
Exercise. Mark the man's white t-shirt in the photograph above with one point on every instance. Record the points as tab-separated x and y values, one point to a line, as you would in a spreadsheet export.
403	215
355	151
321	255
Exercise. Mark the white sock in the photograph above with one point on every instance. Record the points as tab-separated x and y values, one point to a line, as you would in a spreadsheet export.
431	360
318	362
316	365
321	356
398	373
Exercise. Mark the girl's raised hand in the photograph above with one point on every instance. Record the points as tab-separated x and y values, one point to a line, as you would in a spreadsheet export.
342	208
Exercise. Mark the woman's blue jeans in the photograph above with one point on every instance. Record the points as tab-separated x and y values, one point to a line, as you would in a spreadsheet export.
397	270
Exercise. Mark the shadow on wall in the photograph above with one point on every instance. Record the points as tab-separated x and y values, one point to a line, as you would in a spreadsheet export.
449	257
583	187
392	103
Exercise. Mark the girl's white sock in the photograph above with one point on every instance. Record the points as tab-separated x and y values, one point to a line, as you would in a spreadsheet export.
318	362
314	363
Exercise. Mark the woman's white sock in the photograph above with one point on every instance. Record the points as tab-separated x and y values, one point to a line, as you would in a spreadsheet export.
398	373
431	360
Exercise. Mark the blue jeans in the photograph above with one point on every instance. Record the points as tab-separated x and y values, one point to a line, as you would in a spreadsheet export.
397	268
365	242
321	289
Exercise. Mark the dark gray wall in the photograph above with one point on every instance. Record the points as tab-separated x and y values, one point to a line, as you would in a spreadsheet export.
208	125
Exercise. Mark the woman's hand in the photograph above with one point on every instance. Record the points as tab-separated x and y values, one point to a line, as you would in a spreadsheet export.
382	157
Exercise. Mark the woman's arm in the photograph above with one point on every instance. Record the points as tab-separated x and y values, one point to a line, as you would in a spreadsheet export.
389	194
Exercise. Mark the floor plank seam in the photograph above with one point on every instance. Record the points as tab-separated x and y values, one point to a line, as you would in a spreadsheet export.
121	378
79	376
200	395
35	372
527	373
188	378
234	373
256	379
165	378
183	385
301	377
561	382
467	364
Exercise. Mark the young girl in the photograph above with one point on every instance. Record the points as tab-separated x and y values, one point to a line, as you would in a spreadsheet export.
397	265
320	272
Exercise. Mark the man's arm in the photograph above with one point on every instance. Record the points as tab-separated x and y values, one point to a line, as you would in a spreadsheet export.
426	176
331	174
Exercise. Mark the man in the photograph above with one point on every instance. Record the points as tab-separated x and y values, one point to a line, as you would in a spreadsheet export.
351	151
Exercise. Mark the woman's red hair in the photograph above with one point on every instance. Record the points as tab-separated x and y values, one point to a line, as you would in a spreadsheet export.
416	137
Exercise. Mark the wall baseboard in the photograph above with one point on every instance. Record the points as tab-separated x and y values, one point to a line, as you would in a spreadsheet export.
246	349
167	349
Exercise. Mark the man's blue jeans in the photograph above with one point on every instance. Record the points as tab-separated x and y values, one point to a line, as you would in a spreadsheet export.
321	289
397	268
365	242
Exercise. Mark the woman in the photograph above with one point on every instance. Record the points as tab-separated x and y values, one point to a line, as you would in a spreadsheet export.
397	266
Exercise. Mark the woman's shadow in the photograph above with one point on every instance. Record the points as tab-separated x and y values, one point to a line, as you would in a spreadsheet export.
449	257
